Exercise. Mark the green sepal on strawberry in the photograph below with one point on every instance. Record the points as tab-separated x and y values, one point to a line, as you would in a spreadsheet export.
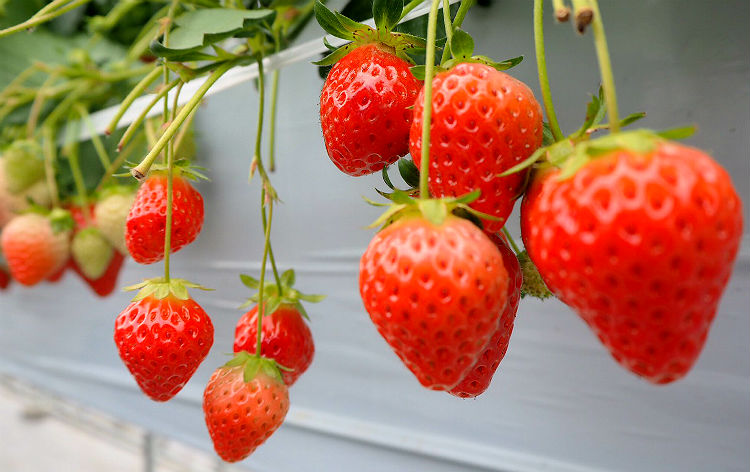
163	336
273	295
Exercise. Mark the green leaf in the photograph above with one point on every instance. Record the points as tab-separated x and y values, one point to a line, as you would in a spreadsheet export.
386	13
677	133
386	179
331	23
199	29
595	111
401	197
632	118
336	55
288	278
312	298
462	44
249	282
418	72
409	172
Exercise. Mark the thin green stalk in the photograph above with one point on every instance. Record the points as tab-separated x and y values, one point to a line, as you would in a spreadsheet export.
541	64
140	171
75	167
130	98
120	159
605	67
37	20
261	102
66	104
101	151
448	25
429	72
510	240
409	7
36	106
463	9
19	79
274	105
50	151
266	247
133	127
270	247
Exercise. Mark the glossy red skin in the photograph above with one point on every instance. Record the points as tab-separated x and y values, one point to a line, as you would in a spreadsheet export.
241	416
479	377
5	278
642	247
162	343
106	284
364	110
435	294
146	222
286	339
483	123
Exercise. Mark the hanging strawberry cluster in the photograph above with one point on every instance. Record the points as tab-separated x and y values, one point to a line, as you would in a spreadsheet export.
633	231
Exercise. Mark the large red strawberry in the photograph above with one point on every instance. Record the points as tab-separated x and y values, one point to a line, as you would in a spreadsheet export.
146	222
483	123
435	289
286	338
365	109
163	336
640	241
365	105
480	376
36	245
244	403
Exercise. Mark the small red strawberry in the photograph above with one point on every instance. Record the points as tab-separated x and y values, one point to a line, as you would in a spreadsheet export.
286	339
365	105
483	123
57	276
480	376
640	241
163	336
5	278
434	286
36	245
245	402
146	222
111	213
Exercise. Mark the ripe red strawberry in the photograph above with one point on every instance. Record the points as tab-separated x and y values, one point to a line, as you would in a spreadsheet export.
641	244
146	222
245	402
480	376
5	278
435	292
286	338
162	337
365	109
483	123
36	246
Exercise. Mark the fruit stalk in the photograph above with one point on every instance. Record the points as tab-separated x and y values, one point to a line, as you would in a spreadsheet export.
429	73
130	98
448	24
271	257
49	149
274	106
512	243
266	247
605	68
541	65
140	171
38	18
101	151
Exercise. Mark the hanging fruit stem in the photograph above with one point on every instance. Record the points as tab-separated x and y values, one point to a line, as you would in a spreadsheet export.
50	153
541	64
266	249
429	73
605	67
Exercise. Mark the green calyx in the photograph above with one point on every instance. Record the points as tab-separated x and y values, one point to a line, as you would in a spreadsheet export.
274	295
386	13
533	285
252	365
462	51
24	165
435	210
182	168
569	155
161	288
60	220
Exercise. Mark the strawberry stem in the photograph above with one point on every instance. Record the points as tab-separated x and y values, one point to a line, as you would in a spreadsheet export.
36	106
409	7
511	241
50	154
168	154
101	151
541	64
270	246
261	282
448	25
274	106
605	67
42	16
130	98
429	73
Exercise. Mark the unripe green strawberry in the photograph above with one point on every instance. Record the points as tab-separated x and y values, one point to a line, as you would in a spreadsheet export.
11	204
110	214
92	252
23	165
